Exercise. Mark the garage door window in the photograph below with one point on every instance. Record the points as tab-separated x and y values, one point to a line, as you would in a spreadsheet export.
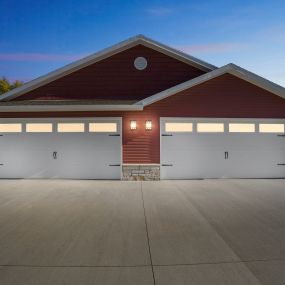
210	128
70	127
10	128
271	128
241	128
103	127
178	127
39	128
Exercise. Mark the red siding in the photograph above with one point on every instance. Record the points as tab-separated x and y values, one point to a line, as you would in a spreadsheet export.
117	78
226	96
141	146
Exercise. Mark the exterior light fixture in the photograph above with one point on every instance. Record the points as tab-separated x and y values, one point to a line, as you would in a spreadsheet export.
148	125
133	124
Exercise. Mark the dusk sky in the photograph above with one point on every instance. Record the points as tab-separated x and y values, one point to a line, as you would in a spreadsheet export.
40	36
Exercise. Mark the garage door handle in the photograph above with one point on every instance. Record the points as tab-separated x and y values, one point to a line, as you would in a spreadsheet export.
226	154
281	135
114	135
114	164
54	155
281	164
166	135
166	164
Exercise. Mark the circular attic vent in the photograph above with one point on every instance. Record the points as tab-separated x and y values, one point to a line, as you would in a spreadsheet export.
140	63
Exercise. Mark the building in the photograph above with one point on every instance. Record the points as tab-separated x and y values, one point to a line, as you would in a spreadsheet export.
143	110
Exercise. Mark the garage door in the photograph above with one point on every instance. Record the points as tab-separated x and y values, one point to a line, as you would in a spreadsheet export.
195	148
66	148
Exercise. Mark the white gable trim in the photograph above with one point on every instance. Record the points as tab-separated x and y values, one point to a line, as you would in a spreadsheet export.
68	108
230	68
105	53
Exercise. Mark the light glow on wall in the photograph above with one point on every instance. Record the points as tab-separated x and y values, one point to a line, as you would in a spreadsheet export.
148	125
133	124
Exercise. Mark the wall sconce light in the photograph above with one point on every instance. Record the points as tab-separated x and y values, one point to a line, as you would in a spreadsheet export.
133	124
148	125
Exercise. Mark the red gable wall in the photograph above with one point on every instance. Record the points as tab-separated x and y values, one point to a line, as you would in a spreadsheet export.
226	96
117	78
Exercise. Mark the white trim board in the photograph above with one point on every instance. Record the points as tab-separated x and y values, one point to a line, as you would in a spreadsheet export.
229	68
105	53
69	108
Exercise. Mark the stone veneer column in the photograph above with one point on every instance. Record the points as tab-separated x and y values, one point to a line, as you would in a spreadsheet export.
140	172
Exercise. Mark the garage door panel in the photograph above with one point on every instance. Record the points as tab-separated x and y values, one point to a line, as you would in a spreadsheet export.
195	164
99	142
25	141
26	164
250	163
199	142
254	141
88	164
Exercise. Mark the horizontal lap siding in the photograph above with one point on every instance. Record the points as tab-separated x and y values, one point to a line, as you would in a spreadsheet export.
117	78
141	146
226	96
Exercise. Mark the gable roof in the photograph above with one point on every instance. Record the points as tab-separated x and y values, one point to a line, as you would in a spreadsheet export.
229	68
139	106
105	53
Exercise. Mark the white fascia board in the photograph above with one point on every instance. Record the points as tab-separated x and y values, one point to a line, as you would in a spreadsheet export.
229	68
105	53
182	86
67	69
181	56
69	108
257	80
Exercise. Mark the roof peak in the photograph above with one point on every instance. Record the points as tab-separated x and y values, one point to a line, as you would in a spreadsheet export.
105	53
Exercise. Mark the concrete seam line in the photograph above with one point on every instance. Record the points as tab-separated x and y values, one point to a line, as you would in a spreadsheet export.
147	235
154	265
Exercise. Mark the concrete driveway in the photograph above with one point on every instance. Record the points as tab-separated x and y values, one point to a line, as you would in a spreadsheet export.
169	232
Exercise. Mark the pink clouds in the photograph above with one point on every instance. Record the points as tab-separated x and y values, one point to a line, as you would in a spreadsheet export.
212	48
38	57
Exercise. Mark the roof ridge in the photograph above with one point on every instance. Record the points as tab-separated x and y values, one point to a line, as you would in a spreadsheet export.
102	54
228	68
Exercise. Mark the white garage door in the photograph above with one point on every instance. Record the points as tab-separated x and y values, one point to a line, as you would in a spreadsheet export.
65	148
195	148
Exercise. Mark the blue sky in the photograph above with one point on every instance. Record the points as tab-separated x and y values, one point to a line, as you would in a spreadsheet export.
39	36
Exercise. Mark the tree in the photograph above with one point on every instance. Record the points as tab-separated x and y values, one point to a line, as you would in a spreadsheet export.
6	85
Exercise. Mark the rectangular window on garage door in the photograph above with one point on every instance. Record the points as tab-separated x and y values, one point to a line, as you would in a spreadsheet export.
241	128
103	127
179	127
271	128
39	128
10	128
70	127
210	127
